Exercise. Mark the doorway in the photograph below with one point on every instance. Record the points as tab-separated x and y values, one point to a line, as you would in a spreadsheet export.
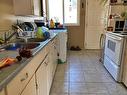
76	33
95	16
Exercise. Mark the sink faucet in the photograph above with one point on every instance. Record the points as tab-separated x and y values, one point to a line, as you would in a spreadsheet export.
24	36
9	37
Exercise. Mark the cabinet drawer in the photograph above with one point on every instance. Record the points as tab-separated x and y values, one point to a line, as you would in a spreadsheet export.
16	86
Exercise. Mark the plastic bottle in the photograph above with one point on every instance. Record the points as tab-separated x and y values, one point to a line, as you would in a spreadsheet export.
52	24
39	33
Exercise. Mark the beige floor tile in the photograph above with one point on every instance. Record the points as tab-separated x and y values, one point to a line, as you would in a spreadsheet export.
76	71
81	94
96	77
96	88
78	88
60	87
77	77
103	94
74	68
59	94
62	68
61	77
115	88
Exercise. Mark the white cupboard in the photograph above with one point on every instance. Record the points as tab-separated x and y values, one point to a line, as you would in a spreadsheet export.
52	61
42	78
30	88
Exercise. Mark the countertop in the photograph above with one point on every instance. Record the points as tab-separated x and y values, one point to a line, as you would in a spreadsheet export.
8	73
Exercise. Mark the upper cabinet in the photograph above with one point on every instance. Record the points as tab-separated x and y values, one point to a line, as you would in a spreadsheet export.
26	7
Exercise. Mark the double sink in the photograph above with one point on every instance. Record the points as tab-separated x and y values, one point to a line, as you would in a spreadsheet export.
32	44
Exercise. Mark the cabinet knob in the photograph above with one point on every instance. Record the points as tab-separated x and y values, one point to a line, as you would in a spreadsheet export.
25	77
45	63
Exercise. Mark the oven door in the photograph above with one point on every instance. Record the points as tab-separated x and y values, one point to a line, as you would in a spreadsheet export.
113	48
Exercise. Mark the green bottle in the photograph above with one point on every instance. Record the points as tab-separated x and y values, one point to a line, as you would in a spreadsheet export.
39	33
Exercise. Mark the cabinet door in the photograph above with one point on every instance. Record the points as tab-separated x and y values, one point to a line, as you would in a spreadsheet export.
37	7
50	67
30	88
55	57
26	7
52	62
41	79
23	7
2	92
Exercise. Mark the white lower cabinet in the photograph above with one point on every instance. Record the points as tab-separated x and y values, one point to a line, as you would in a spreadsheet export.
54	56
42	78
30	88
36	78
52	61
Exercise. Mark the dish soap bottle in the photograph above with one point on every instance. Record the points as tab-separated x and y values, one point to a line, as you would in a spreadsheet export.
52	24
39	33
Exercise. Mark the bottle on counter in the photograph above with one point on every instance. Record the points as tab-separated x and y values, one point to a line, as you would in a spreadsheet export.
52	24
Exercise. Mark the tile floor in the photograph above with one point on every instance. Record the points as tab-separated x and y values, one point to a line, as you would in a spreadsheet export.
83	74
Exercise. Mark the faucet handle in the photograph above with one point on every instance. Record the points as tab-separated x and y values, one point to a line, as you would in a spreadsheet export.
1	41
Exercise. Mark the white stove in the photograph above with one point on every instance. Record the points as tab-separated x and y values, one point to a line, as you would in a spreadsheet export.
114	53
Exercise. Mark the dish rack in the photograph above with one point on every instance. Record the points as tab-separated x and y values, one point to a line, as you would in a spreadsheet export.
27	34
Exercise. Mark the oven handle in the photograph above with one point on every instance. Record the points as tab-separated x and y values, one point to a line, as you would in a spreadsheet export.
115	38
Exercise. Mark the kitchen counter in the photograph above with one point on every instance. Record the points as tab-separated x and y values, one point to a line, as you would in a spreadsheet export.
8	73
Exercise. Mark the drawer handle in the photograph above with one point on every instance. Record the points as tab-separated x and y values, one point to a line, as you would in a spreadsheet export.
23	79
45	63
54	47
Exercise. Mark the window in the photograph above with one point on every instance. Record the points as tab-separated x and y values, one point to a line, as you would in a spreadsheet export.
71	11
64	11
56	10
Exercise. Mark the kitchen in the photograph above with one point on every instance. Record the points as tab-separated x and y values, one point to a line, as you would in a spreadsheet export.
63	56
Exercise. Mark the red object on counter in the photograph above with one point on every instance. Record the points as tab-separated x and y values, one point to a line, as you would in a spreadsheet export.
7	62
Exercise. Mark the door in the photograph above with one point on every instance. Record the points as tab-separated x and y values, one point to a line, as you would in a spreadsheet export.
94	23
76	33
30	88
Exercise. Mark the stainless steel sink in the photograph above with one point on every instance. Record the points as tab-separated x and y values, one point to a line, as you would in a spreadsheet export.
15	46
35	40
